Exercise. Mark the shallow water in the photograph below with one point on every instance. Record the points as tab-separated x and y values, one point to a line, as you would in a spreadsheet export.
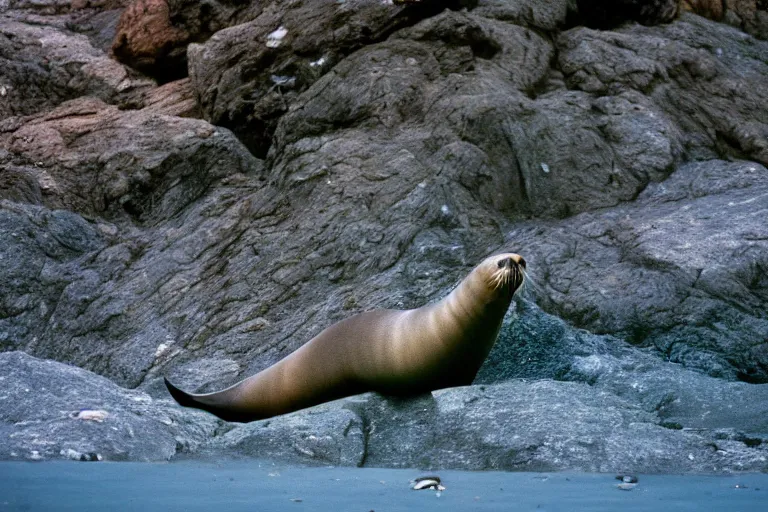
253	486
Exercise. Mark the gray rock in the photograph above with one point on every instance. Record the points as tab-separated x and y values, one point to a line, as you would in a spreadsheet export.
518	425
44	64
42	252
706	76
693	252
247	75
49	410
321	435
535	345
94	158
576	152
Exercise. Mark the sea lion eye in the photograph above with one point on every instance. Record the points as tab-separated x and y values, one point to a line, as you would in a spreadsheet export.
506	262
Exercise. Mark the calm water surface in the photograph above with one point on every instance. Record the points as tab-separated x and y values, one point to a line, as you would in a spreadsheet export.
253	486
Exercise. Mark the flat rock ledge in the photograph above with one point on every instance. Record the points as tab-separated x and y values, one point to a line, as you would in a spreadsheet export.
513	426
49	410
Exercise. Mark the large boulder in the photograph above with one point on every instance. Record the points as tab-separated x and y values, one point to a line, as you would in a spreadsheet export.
45	64
247	75
94	158
681	269
49	410
534	345
706	76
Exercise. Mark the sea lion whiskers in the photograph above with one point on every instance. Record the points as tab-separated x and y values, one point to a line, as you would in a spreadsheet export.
497	279
508	274
529	286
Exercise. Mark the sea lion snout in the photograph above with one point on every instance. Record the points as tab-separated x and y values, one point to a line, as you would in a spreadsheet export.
510	261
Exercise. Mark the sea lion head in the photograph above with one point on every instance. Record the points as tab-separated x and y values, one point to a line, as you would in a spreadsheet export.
503	273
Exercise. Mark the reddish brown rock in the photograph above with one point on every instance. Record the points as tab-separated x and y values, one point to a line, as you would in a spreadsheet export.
93	158
749	15
152	35
147	40
175	98
712	9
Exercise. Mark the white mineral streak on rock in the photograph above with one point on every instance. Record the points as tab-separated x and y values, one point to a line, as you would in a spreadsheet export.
275	38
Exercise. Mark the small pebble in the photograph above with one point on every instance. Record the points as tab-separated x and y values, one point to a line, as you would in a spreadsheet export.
428	482
91	415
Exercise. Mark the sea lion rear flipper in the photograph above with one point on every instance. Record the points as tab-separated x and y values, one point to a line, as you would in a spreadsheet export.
182	397
207	403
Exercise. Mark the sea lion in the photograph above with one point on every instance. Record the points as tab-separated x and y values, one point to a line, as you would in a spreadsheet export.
390	351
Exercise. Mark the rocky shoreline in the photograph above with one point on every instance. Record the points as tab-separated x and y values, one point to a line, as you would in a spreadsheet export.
196	188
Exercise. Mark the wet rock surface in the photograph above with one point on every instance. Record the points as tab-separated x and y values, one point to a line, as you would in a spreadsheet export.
377	152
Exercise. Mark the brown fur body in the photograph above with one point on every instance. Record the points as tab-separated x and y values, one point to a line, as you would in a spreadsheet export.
389	351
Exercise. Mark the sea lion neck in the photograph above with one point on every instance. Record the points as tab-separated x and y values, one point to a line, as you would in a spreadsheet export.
475	300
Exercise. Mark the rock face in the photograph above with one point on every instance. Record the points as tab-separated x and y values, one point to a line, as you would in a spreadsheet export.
42	66
247	75
326	158
93	158
679	257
